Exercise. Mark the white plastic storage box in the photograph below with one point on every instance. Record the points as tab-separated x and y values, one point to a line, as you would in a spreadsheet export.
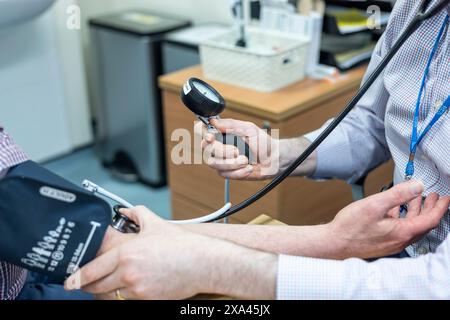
271	60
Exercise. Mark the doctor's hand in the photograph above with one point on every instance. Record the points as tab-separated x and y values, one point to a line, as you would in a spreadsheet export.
226	158
272	155
162	262
372	227
113	238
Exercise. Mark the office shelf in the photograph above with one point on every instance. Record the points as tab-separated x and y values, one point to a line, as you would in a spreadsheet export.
362	4
357	54
330	24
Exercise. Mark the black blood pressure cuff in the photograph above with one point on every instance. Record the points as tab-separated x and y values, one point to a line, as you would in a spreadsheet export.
48	224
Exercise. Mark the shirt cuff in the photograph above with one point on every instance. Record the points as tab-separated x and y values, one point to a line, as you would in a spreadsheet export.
334	159
10	153
309	279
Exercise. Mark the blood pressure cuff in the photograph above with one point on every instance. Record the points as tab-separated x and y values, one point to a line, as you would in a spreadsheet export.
48	224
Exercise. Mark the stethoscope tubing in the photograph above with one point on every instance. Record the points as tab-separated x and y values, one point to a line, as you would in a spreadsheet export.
228	209
420	17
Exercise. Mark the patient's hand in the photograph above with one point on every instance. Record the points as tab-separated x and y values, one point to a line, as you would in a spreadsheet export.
372	227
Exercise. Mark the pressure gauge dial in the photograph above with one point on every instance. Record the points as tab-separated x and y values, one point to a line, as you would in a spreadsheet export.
202	99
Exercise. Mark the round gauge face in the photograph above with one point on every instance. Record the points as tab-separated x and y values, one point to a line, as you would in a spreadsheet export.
206	91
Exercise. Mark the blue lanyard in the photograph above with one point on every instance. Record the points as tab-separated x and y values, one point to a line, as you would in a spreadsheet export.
417	138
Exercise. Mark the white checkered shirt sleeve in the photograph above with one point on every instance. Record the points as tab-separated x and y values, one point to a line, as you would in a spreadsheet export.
425	277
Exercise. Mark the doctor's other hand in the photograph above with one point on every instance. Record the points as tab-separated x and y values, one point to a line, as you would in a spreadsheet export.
373	228
271	156
113	238
164	261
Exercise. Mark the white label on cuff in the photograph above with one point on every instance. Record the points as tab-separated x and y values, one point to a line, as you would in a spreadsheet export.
58	194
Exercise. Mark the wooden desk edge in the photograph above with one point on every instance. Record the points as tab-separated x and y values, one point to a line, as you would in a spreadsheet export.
349	81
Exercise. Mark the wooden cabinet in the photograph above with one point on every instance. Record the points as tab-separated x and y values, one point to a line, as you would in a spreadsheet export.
295	110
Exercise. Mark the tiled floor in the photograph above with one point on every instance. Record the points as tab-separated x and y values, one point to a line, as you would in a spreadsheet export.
85	165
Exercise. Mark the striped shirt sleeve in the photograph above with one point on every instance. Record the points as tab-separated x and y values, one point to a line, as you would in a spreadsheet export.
10	153
12	278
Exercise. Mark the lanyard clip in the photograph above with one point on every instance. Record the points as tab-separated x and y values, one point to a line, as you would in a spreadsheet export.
409	172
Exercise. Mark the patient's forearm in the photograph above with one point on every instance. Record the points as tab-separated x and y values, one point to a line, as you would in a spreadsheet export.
299	241
237	272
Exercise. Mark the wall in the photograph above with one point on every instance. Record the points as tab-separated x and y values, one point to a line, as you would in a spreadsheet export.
74	76
31	91
43	100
